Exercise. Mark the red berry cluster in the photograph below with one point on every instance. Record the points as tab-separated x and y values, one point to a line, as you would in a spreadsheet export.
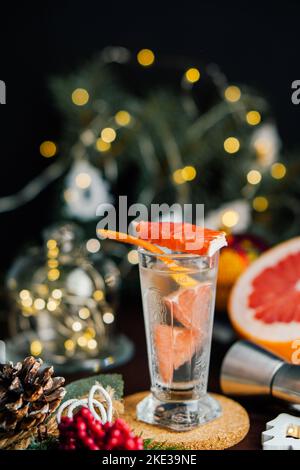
83	431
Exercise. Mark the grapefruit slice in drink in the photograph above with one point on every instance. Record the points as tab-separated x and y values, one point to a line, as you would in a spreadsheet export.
191	306
173	346
264	305
182	237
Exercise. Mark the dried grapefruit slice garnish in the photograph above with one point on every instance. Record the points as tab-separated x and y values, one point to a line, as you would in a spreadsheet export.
191	306
182	237
180	276
264	305
173	347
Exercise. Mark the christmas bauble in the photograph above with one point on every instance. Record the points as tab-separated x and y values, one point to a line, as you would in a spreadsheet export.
60	298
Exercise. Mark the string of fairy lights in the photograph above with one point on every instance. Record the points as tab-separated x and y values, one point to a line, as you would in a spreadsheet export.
103	141
231	145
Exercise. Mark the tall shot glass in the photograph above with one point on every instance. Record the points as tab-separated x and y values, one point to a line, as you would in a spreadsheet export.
178	294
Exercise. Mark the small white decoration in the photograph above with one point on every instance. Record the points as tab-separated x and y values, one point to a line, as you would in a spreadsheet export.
266	142
275	436
85	189
74	403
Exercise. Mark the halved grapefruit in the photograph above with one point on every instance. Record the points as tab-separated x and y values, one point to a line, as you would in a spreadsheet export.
191	306
264	305
174	346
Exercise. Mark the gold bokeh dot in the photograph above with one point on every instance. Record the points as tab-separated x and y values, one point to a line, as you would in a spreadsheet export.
145	57
53	274
232	93
80	96
253	118
51	244
192	75
36	348
188	173
102	146
108	135
278	171
69	345
260	203
254	177
178	177
98	295
48	149
84	313
122	118
230	218
231	145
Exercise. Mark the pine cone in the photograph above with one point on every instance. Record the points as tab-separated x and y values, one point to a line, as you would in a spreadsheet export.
27	394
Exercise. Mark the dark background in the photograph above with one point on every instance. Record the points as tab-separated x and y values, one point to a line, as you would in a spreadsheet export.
253	43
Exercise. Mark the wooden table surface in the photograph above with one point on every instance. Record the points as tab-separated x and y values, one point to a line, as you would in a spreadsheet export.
136	376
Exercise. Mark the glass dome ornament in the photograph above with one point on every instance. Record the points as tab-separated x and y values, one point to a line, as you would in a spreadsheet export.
64	304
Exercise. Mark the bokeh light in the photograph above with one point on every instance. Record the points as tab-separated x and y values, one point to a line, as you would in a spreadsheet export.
48	149
122	118
39	304
53	274
253	118
254	177
102	146
108	135
230	218
231	145
77	326
192	75
189	173
98	295
84	313
232	93
145	57
93	245
108	318
80	96
36	348
133	257
69	345
278	171
83	180
260	203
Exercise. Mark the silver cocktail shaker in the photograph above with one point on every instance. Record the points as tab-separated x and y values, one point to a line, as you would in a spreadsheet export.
250	370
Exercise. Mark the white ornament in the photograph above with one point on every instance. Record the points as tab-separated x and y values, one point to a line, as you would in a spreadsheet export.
275	436
105	415
85	189
266	142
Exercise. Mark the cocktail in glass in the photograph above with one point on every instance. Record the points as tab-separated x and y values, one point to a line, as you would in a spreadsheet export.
178	292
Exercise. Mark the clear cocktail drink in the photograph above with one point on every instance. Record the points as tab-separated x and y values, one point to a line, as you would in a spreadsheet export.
178	292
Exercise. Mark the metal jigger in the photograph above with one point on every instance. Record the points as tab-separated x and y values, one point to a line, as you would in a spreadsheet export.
249	370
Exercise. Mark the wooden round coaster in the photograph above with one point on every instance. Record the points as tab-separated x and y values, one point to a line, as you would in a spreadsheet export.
226	431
